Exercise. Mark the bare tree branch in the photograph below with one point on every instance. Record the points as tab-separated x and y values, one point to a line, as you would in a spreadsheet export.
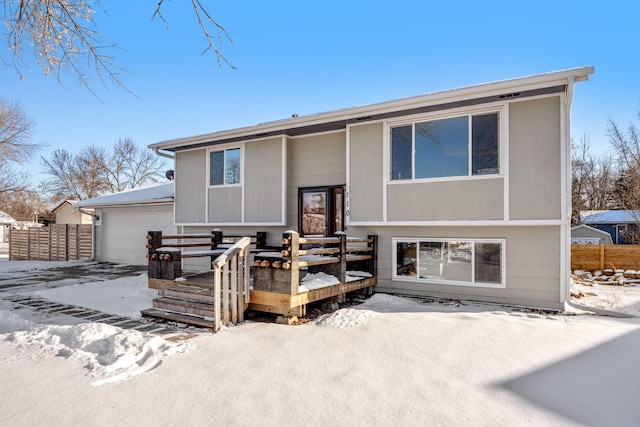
204	21
96	171
15	133
63	39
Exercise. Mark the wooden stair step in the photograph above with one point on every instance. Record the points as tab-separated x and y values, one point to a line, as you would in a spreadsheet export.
182	306
177	317
190	293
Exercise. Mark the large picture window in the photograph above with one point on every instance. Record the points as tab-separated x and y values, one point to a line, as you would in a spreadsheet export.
457	146
224	167
461	262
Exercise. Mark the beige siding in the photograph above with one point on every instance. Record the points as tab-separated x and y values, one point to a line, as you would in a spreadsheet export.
225	204
366	172
190	186
313	161
67	214
534	159
121	237
479	199
263	166
532	264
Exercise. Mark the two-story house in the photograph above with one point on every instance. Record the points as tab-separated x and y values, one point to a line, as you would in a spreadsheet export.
467	189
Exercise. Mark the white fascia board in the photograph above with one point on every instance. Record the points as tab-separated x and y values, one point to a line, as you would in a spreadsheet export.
131	203
456	223
486	89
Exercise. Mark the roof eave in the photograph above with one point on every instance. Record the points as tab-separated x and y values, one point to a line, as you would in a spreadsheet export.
129	203
522	83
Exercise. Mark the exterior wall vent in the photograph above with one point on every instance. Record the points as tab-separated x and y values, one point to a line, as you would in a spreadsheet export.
509	95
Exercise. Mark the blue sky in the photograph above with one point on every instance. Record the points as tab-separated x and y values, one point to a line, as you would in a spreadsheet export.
309	57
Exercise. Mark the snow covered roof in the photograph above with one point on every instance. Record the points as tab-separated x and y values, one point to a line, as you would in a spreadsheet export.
339	119
5	218
155	193
610	217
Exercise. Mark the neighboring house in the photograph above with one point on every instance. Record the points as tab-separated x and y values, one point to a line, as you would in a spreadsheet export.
122	221
466	189
585	235
622	225
66	213
6	222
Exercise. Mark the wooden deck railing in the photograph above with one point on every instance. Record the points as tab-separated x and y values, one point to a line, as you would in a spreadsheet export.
280	273
231	272
166	251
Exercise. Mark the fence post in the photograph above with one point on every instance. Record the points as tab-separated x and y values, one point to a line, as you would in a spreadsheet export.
601	256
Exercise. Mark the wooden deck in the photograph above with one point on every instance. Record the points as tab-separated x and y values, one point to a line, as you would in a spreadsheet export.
272	283
269	302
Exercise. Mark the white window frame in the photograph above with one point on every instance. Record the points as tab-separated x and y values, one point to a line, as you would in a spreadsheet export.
472	283
469	113
224	148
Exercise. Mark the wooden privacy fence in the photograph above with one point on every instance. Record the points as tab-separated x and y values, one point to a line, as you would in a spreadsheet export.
600	257
57	242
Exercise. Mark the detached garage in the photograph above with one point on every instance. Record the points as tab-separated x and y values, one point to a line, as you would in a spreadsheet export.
122	221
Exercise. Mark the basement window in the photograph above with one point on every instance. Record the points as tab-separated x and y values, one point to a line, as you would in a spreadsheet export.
450	262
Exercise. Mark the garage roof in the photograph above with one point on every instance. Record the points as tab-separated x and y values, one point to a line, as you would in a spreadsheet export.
155	193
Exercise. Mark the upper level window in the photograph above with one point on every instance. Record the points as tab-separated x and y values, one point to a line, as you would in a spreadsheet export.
458	146
224	167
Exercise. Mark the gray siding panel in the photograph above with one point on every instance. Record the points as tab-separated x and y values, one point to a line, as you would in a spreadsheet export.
263	181
366	172
480	199
225	205
534	159
190	186
532	264
313	161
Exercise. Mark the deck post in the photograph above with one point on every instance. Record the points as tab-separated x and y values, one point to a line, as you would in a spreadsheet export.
342	273
294	257
374	254
154	240
261	239
216	239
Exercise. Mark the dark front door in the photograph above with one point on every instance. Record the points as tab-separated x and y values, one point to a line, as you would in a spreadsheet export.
321	210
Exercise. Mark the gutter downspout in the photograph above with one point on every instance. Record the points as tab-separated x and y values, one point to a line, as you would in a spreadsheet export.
567	288
94	217
161	154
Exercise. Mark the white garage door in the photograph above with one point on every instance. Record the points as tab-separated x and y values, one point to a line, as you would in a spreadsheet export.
123	231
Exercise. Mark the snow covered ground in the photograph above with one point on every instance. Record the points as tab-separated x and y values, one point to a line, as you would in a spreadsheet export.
388	361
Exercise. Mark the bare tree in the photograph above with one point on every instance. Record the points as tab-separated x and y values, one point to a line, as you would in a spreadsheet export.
96	171
62	37
73	177
626	145
593	179
15	147
25	207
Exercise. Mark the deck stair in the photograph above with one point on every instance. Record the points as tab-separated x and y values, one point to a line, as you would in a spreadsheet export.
219	303
192	304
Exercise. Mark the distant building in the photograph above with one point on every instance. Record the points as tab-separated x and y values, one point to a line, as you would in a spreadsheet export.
622	225
6	222
586	235
66	213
